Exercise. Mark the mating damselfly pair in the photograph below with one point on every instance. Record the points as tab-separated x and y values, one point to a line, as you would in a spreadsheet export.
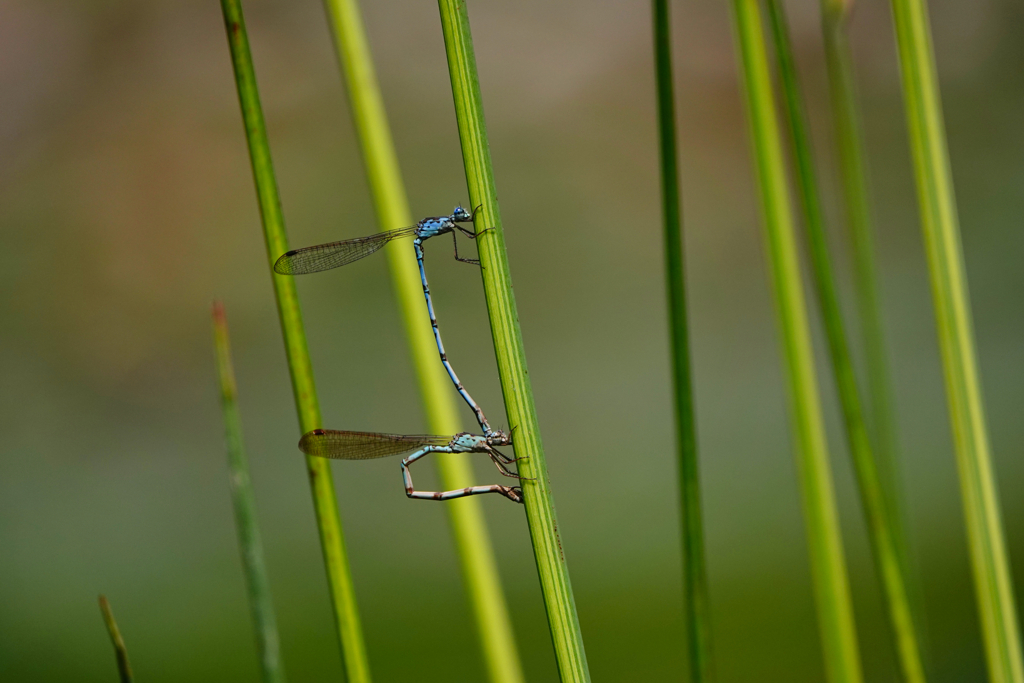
353	445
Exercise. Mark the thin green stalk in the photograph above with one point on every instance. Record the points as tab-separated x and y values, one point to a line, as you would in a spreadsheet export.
124	669
244	499
881	415
828	568
857	204
508	347
872	492
325	503
695	582
476	553
940	225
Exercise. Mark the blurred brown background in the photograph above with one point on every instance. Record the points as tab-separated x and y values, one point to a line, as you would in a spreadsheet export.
127	205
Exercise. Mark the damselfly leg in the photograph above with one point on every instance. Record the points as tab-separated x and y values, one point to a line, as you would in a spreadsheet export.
513	493
471	235
455	239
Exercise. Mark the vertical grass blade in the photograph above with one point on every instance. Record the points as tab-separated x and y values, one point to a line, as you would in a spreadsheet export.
696	603
880	411
244	500
872	493
325	504
472	541
940	225
828	569
124	669
508	347
880	415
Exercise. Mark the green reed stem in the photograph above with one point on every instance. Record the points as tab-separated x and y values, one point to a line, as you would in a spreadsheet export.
940	225
476	552
508	347
124	669
857	204
244	499
696	603
325	504
872	492
828	569
881	414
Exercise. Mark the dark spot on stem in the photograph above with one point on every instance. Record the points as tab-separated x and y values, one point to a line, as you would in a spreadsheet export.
558	540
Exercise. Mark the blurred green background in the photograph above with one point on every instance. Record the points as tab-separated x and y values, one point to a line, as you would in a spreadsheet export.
127	205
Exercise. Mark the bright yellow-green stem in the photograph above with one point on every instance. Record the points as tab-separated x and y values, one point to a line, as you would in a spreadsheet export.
476	554
508	347
249	542
695	581
824	540
941	228
325	504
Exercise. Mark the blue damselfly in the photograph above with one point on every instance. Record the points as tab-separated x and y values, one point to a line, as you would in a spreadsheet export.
345	445
334	254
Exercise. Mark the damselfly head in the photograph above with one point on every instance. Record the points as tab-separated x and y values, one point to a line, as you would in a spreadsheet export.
460	215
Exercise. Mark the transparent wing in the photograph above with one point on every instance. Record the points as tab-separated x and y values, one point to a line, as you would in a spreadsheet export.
334	254
342	445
